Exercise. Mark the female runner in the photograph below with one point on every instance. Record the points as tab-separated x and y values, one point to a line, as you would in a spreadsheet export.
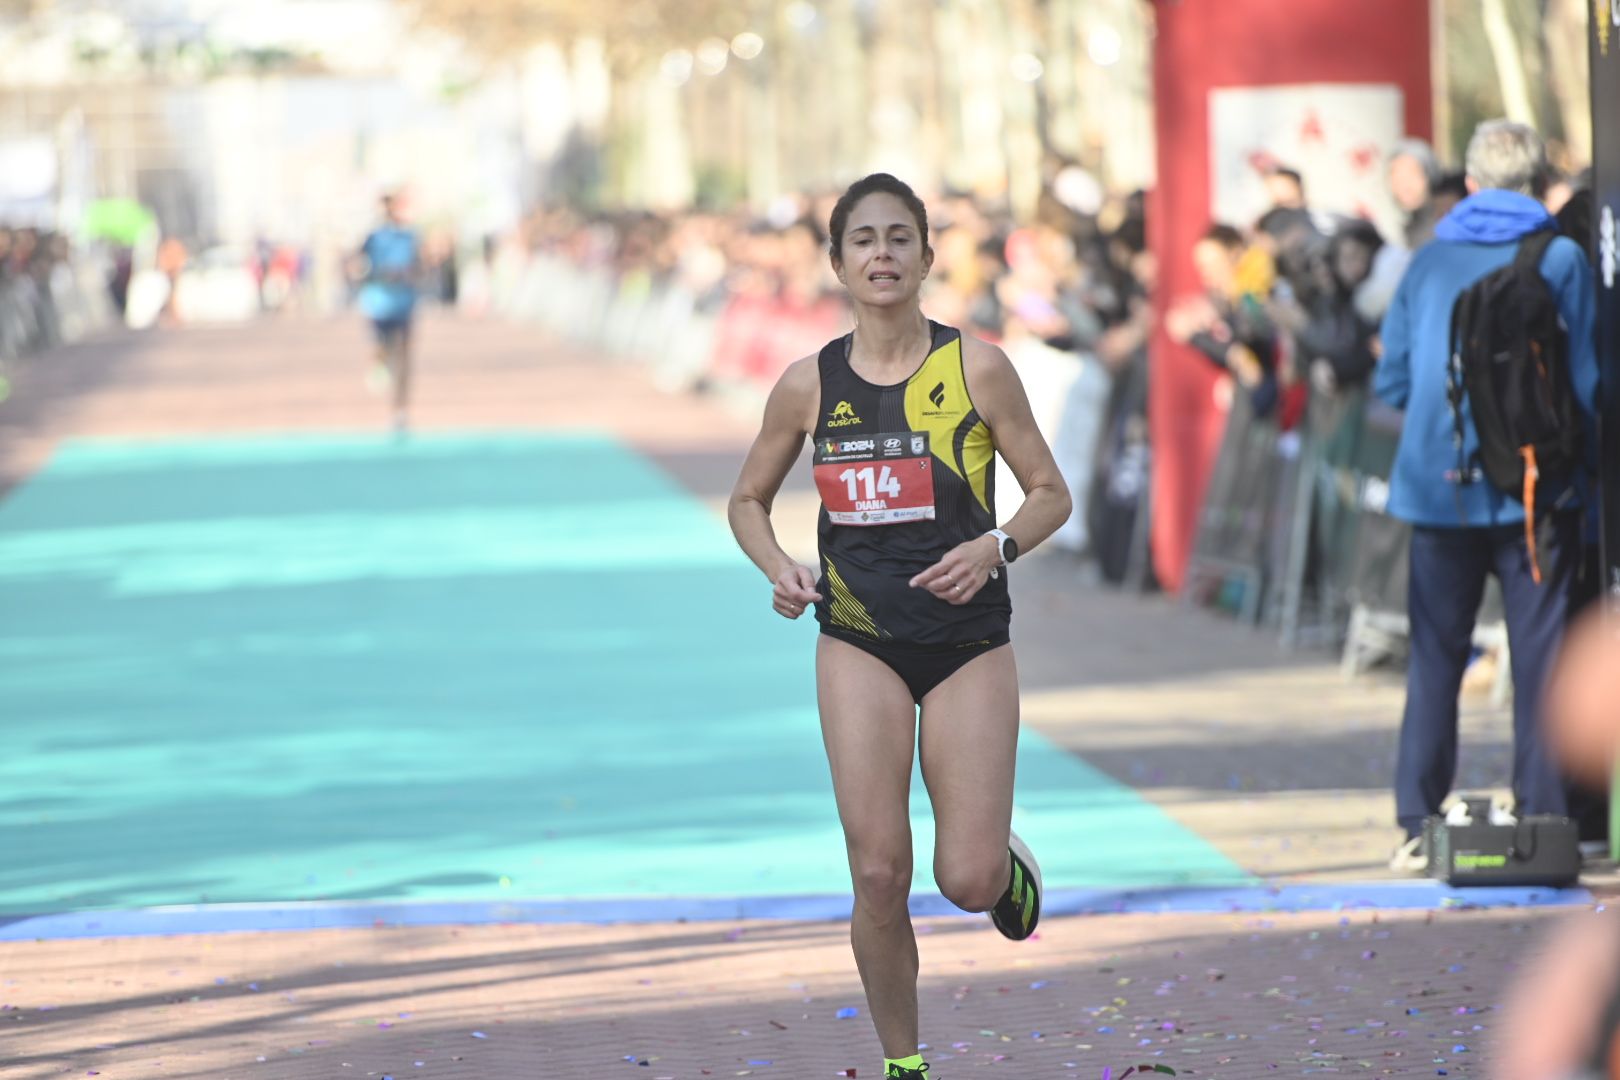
906	417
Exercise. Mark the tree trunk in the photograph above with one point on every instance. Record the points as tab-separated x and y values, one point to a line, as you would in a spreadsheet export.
1021	138
1505	48
846	89
1563	42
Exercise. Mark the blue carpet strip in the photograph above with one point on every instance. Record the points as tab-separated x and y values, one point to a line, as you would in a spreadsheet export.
1282	900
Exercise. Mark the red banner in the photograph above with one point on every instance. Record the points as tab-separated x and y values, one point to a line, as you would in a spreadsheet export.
1322	86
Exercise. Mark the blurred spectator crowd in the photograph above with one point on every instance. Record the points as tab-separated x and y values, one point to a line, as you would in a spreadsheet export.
722	302
1289	312
46	298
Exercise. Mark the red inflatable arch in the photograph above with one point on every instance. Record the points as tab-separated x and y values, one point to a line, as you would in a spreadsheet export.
1326	83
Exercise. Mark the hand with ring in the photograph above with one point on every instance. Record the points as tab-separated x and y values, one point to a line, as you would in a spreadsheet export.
794	589
958	576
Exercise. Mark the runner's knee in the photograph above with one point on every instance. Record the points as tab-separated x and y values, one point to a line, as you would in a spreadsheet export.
882	881
972	884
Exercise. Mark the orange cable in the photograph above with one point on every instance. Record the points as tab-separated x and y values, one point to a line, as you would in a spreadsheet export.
1531	474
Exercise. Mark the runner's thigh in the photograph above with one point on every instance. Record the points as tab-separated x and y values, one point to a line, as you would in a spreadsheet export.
868	722
968	741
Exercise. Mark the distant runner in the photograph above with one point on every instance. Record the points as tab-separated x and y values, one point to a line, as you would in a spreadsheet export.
391	258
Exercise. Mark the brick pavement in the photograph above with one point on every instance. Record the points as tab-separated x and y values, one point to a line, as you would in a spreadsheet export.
1219	997
1270	756
307	375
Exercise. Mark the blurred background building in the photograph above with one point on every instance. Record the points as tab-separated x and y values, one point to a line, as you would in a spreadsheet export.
236	119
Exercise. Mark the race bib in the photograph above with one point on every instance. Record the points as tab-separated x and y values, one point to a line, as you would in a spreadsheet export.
876	479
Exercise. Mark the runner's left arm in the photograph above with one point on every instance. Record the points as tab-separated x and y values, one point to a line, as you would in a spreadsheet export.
999	396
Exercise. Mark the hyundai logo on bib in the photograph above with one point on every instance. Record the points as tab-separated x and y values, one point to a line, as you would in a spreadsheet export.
891	444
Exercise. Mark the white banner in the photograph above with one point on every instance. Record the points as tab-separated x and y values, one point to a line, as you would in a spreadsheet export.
1336	136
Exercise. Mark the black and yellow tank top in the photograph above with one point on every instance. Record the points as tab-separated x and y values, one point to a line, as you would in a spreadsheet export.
906	472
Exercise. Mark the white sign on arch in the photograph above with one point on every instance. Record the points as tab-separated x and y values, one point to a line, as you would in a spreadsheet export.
1338	136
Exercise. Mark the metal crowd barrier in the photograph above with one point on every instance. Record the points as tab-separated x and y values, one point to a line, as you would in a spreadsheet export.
1232	558
688	341
1294	535
37	316
726	342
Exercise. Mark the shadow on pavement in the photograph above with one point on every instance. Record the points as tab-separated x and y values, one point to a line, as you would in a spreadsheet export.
1212	996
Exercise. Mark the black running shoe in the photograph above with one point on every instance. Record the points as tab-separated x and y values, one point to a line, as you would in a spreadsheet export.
1017	912
897	1073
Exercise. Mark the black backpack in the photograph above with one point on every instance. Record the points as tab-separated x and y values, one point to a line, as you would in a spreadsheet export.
1510	361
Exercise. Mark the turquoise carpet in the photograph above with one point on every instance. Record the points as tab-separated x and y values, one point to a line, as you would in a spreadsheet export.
460	668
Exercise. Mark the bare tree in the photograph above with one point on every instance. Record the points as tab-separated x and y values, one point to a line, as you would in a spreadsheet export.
1538	74
1508	53
1564	52
633	27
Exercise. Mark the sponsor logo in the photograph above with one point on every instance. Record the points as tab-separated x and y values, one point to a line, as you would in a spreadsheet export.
937	396
891	444
843	415
917	444
1608	247
850	446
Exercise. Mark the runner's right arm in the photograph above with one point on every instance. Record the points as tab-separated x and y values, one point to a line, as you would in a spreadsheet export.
789	416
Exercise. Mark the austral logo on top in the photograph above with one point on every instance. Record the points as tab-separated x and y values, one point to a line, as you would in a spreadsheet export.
843	415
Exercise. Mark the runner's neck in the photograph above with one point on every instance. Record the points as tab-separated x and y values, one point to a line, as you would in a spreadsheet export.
890	343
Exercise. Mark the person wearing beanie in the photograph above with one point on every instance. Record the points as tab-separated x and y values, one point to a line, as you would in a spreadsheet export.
1413	172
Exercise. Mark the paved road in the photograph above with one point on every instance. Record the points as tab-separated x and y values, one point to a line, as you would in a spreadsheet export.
1238	755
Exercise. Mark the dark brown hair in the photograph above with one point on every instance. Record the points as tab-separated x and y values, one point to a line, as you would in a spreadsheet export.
1224	235
872	185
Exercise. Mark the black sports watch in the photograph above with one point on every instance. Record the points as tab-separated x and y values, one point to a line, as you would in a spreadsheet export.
1006	546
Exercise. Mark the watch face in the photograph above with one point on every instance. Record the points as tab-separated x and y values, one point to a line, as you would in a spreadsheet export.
1009	550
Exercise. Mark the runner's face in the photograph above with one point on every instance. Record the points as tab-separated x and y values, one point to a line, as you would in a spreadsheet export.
884	261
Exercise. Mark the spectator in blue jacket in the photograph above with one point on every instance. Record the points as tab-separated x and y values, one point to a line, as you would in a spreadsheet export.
1463	532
